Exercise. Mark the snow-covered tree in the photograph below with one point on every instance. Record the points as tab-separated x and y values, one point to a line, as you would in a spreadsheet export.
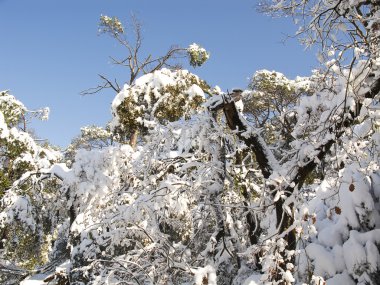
336	223
91	137
208	197
269	104
28	195
137	64
159	97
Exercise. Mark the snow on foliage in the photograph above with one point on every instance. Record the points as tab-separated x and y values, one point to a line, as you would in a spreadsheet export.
91	137
26	192
11	108
181	197
162	96
285	193
151	209
197	54
110	24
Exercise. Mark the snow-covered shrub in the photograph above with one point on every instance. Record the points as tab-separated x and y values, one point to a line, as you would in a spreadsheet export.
28	195
162	96
197	54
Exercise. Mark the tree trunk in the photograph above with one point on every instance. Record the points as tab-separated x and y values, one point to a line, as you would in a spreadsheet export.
133	139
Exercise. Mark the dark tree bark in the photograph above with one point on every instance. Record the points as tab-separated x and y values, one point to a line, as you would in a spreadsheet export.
264	160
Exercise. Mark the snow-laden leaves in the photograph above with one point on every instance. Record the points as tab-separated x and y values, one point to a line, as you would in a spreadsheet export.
161	96
28	194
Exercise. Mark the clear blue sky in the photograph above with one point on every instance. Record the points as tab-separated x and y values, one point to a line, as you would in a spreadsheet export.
50	51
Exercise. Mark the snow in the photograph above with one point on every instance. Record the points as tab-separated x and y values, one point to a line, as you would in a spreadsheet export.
330	236
363	129
37	279
195	90
373	256
204	275
3	127
162	205
288	276
198	55
152	91
339	279
253	280
354	255
60	170
45	112
324	260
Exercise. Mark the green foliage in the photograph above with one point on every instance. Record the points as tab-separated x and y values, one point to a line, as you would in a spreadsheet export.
12	167
272	93
5	182
91	137
110	25
167	103
24	224
178	104
198	55
272	96
25	248
12	109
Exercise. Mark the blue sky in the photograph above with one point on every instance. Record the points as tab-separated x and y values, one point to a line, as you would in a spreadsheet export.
50	51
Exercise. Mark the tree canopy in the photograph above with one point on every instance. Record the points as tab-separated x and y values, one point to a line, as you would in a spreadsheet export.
275	184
